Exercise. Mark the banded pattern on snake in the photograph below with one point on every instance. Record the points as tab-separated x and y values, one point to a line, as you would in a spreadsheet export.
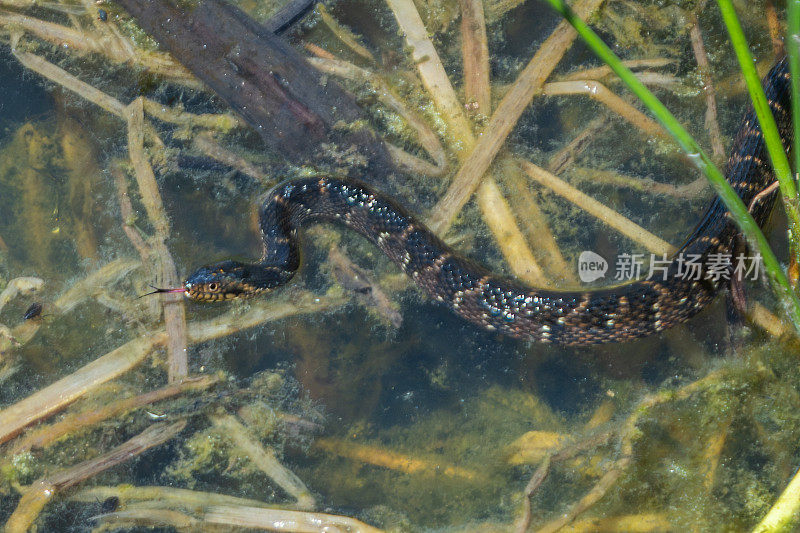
611	314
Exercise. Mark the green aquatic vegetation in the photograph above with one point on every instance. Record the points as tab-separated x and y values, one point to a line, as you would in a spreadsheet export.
274	411
22	469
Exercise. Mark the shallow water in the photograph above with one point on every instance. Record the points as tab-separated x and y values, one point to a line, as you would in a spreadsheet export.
431	425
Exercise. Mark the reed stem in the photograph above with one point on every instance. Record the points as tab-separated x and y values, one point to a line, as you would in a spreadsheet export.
739	213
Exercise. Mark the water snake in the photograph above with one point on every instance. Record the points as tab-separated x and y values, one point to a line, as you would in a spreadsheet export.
617	313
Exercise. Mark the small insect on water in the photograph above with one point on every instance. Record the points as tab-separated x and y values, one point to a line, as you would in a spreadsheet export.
34	311
109	505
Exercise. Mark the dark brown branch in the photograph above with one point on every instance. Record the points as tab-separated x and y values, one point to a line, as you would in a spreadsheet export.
260	77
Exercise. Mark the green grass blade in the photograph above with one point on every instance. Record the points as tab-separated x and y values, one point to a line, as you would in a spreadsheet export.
793	51
780	162
739	212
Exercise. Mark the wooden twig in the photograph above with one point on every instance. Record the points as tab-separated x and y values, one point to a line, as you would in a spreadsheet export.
173	304
161	496
83	41
432	72
94	283
535	225
598	91
343	34
353	278
264	460
500	219
567	155
598	73
568	451
68	389
776	32
494	208
593	207
82	89
205	143
289	13
538	477
42	491
58	395
710	456
645	185
70	82
475	55
267	82
591	497
128	216
42	437
153	518
528	83
412	163
767	320
222	122
762	195
378	456
711	123
282	520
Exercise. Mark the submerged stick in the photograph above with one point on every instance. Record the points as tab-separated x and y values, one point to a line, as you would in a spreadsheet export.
712	124
94	283
162	496
504	118
510	240
265	460
535	225
475	55
261	77
206	143
172	304
693	189
68	81
282	520
785	511
597	91
42	491
591	497
68	389
432	72
593	207
375	455
493	206
158	63
426	137
596	73
44	436
343	34
58	395
567	155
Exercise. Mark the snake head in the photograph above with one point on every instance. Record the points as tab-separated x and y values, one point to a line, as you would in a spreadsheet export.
229	279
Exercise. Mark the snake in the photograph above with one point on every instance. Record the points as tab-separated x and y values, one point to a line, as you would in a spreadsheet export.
622	312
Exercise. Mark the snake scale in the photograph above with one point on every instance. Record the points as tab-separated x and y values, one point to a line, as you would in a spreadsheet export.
618	313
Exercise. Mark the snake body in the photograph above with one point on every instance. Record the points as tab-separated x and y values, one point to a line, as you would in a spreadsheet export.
611	314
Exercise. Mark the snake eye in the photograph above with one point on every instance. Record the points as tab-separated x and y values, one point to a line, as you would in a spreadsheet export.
213	286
